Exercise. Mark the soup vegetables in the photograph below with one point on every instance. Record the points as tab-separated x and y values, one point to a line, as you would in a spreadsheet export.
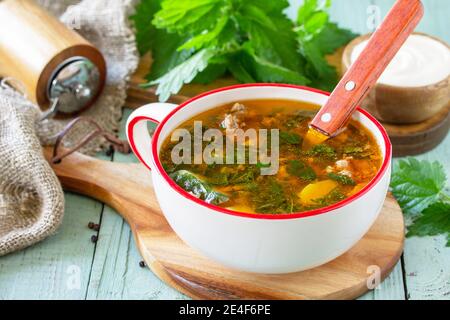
253	40
200	189
305	179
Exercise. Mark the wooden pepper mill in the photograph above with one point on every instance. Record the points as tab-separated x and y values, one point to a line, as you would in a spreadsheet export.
59	70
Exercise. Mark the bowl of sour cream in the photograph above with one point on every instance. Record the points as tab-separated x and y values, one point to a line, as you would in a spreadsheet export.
416	84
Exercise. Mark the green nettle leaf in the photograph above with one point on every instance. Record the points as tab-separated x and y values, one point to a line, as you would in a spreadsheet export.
194	16
306	11
239	70
323	151
325	76
172	81
211	73
342	179
207	38
332	38
278	46
258	16
301	170
166	57
269	6
290	138
149	38
142	19
254	38
435	220
265	71
316	23
318	37
417	184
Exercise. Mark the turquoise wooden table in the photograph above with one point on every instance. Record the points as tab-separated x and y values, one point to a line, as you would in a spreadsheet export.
69	266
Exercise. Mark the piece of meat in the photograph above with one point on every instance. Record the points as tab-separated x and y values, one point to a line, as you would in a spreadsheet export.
238	108
235	119
341	164
230	122
341	167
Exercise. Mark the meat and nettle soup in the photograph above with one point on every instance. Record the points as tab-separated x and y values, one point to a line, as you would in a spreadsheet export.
306	179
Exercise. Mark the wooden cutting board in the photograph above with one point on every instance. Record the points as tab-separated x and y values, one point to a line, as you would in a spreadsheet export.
413	139
127	188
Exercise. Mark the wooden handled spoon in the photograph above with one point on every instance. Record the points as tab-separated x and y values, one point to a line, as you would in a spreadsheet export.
366	70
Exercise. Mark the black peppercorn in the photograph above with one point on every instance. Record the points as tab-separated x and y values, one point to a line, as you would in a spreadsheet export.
94	239
110	151
142	264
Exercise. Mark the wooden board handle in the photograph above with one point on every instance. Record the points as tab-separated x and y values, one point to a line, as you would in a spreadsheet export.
124	187
367	69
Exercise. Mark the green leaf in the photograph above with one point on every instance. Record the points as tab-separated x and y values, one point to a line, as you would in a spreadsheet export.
256	37
172	81
290	138
271	197
269	6
316	23
301	170
435	220
258	16
357	150
332	38
333	197
211	73
142	19
245	176
306	10
417	184
194	16
261	70
318	37
206	38
260	165
166	57
239	71
323	151
148	38
342	179
325	76
278	46
266	71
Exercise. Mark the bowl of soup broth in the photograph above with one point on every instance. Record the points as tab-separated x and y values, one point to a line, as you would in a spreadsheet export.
236	180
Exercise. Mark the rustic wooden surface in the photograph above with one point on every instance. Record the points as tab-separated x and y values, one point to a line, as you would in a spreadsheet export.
69	266
128	189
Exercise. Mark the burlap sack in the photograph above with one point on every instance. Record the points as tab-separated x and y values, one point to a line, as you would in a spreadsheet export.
31	198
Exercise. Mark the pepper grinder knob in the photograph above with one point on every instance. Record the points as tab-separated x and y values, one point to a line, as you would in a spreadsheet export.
73	87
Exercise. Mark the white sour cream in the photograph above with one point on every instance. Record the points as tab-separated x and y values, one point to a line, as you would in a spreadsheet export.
420	62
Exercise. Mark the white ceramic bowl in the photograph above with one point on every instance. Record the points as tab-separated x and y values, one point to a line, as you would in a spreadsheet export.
271	244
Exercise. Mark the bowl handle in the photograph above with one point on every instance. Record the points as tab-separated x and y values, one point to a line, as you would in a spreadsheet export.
137	132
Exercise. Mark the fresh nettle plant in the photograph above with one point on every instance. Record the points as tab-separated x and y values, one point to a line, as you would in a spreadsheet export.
253	40
419	187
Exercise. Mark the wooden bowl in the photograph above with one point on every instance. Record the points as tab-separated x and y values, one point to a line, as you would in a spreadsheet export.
403	105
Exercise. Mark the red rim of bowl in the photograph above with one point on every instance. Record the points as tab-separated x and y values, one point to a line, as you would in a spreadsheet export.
286	216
